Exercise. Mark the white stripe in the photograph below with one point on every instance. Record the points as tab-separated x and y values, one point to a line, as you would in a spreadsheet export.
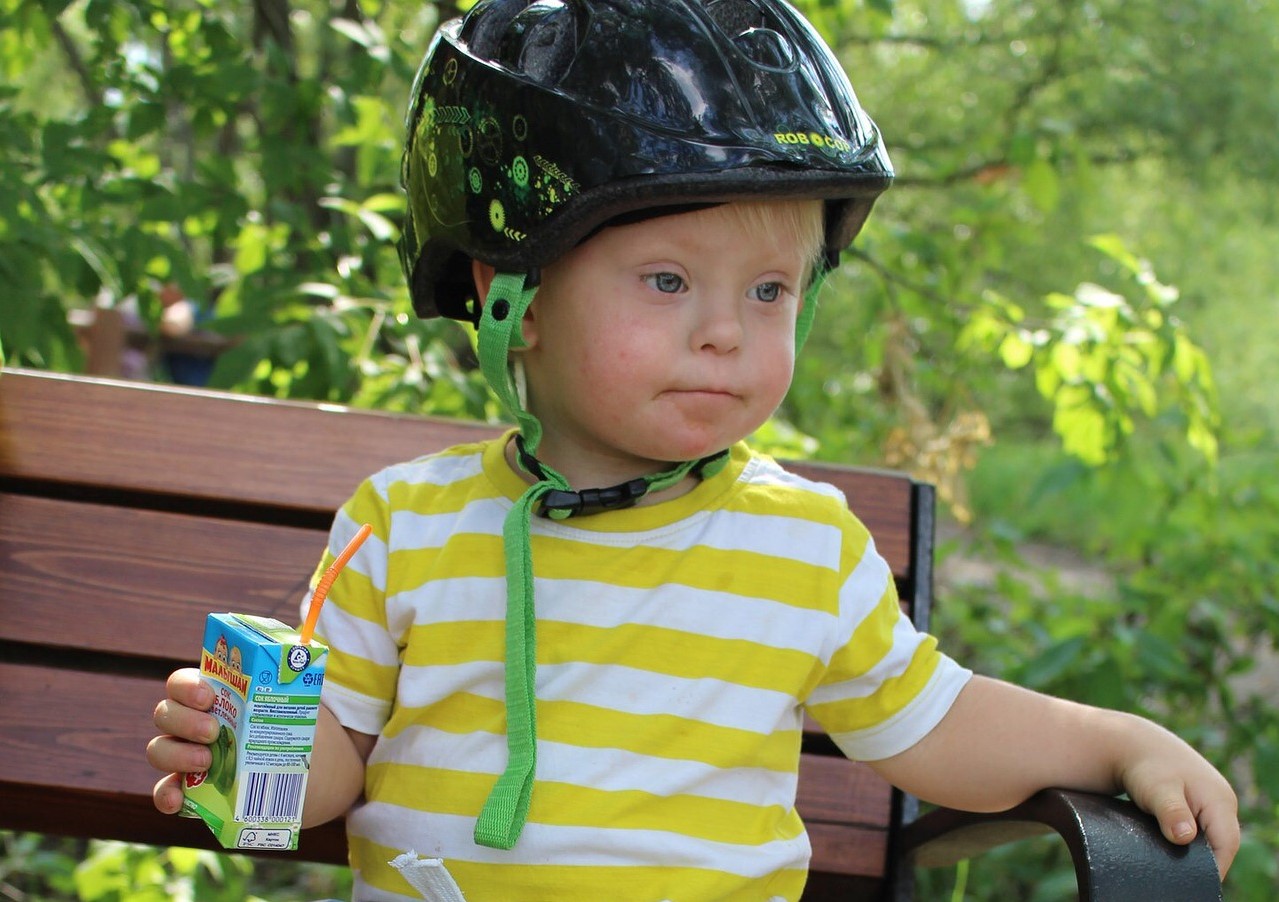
859	597
913	722
355	710
615	688
905	641
359	637
806	541
608	769
639	692
770	472
451	837
369	561
586	603
441	469
411	530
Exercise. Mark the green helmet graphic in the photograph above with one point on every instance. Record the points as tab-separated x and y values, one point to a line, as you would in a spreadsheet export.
532	124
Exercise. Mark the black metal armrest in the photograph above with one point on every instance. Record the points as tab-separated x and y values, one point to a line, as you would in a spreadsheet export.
1118	851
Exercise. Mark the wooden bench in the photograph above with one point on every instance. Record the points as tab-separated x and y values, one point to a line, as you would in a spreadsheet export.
129	511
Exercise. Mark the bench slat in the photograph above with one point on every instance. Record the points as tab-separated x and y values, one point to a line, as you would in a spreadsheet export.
162	439
154	439
101	577
92	728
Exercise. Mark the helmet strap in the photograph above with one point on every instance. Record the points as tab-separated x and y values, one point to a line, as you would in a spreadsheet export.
808	311
502	818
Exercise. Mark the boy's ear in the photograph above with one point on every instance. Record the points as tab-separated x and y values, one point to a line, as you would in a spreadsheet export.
483	275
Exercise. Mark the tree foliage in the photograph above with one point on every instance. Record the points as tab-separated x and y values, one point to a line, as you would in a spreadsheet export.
1061	167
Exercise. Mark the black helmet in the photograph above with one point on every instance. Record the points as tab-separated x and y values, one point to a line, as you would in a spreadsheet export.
532	124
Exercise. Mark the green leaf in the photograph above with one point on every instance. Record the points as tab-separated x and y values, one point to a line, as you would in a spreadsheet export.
1050	664
1041	184
1016	350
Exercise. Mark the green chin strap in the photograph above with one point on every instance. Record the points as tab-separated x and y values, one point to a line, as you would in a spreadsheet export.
502	818
506	809
808	312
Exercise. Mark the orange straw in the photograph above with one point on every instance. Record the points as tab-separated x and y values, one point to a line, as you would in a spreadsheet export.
326	582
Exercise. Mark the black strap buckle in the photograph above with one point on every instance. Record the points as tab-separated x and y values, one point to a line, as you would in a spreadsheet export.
592	501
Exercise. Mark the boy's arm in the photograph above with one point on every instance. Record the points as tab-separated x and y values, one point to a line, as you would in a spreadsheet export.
337	770
1000	744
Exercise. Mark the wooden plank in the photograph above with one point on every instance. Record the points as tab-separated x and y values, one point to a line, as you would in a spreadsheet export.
204	444
838	791
80	736
73	741
850	851
95	815
137	582
235	448
61	727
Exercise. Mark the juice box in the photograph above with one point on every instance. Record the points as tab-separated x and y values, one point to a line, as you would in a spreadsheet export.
267	687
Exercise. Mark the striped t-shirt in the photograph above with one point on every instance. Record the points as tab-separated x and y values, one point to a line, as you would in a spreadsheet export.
678	646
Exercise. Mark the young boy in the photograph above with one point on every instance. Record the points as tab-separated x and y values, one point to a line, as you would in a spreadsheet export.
597	693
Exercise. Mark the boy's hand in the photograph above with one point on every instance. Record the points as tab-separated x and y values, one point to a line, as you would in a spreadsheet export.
187	728
1185	793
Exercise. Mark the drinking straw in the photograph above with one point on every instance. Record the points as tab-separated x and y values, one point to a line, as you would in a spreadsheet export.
326	582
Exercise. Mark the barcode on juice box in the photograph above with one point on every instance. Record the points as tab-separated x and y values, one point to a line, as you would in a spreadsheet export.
273	797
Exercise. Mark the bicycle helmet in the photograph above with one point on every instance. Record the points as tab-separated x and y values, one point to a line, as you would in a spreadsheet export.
534	123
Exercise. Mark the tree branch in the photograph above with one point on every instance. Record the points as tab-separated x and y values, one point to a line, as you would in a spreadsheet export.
76	61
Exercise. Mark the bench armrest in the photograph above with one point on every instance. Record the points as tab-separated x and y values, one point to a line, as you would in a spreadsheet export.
1118	851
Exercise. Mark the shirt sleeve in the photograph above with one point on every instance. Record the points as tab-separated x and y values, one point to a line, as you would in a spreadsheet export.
363	658
886	685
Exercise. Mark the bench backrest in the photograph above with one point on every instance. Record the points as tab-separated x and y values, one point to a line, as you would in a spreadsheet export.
130	511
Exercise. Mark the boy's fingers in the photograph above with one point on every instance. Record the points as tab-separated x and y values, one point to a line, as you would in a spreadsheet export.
185	687
167	795
1219	820
191	724
1170	808
1221	827
175	756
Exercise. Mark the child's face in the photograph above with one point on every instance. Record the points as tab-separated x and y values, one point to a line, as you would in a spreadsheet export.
662	341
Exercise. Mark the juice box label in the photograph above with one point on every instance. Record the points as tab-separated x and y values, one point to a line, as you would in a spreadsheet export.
266	686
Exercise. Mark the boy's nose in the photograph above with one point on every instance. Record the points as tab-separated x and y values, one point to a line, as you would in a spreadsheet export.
719	326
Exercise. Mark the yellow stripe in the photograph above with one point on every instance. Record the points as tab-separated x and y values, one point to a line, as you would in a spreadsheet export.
894	694
460	712
788	582
871	640
648	648
358	597
667	736
588	726
361	675
467	554
518	882
461	793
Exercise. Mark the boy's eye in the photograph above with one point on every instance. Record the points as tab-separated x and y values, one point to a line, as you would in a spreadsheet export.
665	282
767	291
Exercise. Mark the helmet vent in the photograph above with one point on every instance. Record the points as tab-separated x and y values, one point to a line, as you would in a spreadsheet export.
736	17
536	38
486	23
547	35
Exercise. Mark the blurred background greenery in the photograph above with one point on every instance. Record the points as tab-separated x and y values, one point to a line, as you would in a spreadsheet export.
1063	314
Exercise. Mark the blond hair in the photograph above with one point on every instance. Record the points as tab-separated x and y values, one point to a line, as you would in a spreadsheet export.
800	222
